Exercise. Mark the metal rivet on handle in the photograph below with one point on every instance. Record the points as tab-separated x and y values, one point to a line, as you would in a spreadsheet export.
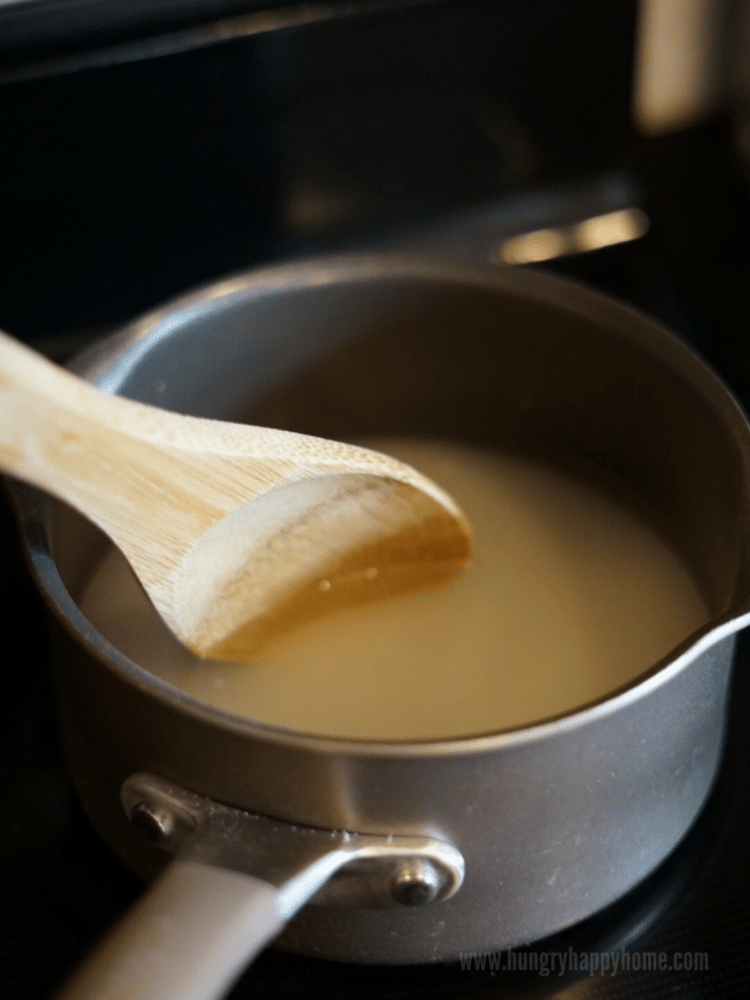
416	882
154	822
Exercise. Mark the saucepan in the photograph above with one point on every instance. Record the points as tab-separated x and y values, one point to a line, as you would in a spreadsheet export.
401	851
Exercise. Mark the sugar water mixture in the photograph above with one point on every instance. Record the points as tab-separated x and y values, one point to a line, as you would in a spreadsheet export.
570	596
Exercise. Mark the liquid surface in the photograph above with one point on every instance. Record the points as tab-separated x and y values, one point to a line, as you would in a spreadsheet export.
569	597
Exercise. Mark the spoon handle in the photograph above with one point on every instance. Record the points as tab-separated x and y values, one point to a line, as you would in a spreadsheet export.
43	410
86	448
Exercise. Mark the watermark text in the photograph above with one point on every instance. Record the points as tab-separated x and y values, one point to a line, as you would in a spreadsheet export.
593	963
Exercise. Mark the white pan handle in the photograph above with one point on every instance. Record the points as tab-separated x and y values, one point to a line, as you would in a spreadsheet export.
191	936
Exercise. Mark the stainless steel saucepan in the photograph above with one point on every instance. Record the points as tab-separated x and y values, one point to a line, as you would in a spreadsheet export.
401	852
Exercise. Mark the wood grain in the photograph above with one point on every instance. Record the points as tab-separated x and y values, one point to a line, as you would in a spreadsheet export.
235	532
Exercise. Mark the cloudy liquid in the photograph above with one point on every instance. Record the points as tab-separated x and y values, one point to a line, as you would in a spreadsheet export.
570	596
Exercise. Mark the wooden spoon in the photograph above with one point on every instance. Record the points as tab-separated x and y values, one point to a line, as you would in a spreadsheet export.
236	533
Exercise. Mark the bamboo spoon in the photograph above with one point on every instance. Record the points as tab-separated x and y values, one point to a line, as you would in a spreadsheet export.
236	533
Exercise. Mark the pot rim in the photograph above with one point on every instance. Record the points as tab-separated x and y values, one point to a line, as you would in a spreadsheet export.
108	362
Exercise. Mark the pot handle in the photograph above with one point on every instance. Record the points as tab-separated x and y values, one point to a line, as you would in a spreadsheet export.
190	936
236	881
